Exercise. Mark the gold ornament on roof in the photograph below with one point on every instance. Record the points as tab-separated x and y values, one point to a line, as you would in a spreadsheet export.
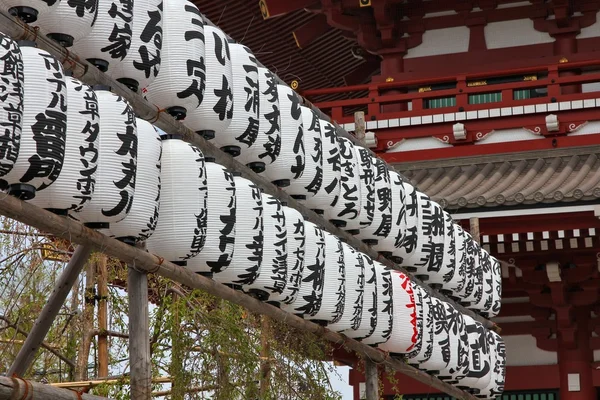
389	79
563	60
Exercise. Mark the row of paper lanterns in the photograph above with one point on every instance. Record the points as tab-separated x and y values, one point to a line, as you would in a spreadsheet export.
115	173
268	130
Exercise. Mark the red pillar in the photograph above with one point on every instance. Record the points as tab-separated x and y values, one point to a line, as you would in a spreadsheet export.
392	65
565	45
576	357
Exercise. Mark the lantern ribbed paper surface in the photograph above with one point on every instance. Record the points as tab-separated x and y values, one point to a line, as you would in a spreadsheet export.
344	210
368	321
424	346
272	274
117	163
267	146
478	375
474	288
69	21
216	110
179	86
386	245
493	387
330	187
458	345
458	280
75	185
29	10
497	288
385	306
296	248
143	216
355	287
110	38
11	111
249	234
289	165
181	229
141	65
242	131
308	300
405	329
487	287
366	171
220	223
334	282
408	245
442	276
440	356
42	144
309	184
382	218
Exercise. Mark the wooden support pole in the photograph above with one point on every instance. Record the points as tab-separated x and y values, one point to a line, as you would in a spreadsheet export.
141	260
139	335
474	229
91	75
265	354
372	380
360	126
56	300
87	321
102	274
16	388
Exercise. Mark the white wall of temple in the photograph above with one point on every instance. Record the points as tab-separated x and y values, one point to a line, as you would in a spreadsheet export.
592	30
522	33
442	41
522	350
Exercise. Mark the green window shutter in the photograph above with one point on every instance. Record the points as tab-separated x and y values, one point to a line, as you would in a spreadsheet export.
440	102
522	94
483	98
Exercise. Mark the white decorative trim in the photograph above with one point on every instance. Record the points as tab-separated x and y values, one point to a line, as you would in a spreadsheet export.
536	131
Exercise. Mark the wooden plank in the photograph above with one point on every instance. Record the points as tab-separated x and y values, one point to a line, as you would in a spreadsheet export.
76	232
139	335
46	318
15	388
91	75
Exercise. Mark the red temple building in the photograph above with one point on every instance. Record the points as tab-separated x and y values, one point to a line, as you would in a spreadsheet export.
492	107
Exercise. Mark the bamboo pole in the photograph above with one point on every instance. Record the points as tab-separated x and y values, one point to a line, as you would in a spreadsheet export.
16	388
88	73
44	321
102	274
76	232
108	381
87	322
139	338
372	377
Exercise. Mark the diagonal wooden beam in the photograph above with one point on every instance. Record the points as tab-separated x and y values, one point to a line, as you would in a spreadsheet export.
311	31
276	8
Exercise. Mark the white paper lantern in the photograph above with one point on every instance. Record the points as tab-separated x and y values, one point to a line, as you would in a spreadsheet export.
216	110
69	21
478	375
497	289
368	321
408	245
272	274
29	10
142	63
11	111
367	171
428	256
440	356
308	301
74	186
289	165
42	144
496	385
458	339
243	129
384	322
141	221
181	229
474	288
345	209
179	86
267	145
330	187
249	236
387	244
110	38
424	346
405	329
309	184
458	280
296	249
487	287
117	163
355	286
220	224
382	218
438	277
334	283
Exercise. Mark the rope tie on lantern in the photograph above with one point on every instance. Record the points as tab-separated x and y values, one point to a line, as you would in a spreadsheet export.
161	260
72	63
15	378
158	112
78	393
